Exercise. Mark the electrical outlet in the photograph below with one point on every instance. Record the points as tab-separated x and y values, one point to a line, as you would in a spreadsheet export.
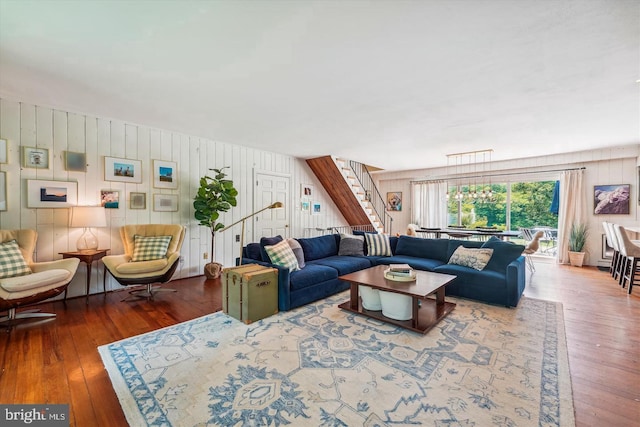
205	255
237	237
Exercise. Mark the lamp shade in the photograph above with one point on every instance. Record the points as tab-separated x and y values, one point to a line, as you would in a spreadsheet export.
87	217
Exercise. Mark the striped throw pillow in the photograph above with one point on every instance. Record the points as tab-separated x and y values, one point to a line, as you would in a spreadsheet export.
282	255
12	263
378	244
150	248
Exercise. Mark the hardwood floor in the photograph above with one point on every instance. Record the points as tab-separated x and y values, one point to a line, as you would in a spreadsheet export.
56	361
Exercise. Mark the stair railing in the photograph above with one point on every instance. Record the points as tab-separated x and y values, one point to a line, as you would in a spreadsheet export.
378	203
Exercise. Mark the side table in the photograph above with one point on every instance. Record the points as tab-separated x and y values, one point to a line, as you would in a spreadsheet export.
88	257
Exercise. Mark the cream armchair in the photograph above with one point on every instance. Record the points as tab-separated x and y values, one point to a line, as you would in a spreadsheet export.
155	265
46	279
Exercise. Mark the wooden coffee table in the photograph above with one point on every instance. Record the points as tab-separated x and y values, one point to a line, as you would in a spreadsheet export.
426	312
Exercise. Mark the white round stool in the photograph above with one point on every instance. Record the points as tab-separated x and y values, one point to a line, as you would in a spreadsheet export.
396	306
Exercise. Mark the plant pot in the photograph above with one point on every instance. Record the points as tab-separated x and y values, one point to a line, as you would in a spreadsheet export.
576	258
212	270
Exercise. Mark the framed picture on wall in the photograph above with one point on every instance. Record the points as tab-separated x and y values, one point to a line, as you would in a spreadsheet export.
3	151
137	200
3	191
611	199
110	199
165	174
165	202
122	170
316	208
305	206
394	201
306	191
51	194
75	162
37	158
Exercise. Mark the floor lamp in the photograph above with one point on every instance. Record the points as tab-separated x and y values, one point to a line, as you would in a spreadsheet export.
276	205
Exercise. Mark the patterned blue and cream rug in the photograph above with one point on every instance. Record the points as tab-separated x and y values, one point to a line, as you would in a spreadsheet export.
322	366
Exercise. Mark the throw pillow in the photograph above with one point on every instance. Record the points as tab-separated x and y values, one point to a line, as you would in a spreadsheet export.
12	263
470	257
351	245
378	244
503	253
268	241
282	255
297	251
149	248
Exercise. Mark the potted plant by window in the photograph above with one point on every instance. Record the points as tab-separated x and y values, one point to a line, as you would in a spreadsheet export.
577	239
215	195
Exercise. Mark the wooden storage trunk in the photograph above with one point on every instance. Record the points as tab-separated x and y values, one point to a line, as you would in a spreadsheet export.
250	292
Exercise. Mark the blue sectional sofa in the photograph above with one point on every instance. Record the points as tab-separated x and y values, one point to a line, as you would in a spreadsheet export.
501	282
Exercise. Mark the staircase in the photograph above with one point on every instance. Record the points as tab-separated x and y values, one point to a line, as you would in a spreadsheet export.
353	191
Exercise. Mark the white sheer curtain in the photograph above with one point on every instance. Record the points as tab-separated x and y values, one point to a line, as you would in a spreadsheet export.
572	209
429	204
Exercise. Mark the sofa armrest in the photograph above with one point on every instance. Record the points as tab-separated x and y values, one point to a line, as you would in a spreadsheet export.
69	264
516	280
284	291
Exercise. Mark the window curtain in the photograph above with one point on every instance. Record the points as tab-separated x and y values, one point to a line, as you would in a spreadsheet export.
572	209
429	204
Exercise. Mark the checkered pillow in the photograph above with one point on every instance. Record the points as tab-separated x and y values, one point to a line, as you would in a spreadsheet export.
12	262
150	248
281	254
378	244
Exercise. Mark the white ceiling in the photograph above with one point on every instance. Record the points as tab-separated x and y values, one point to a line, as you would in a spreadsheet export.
395	84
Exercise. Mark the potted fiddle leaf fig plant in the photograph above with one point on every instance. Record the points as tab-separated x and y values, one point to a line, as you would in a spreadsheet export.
215	195
577	239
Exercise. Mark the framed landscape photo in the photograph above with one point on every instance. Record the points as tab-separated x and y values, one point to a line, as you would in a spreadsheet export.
137	200
51	194
122	170
3	191
75	162
611	199
110	199
165	202
165	174
37	158
3	150
316	208
305	206
394	201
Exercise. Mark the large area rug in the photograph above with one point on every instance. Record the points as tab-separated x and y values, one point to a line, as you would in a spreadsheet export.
321	366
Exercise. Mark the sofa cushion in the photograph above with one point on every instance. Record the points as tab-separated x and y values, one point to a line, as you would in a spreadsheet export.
456	243
252	251
311	275
415	262
297	251
35	280
378	245
282	255
503	254
344	264
351	245
12	263
148	248
476	258
268	241
423	248
319	247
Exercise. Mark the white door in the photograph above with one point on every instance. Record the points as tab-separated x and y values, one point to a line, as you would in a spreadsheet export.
271	188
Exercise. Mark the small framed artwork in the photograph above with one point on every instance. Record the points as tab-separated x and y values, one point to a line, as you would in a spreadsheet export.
3	151
316	208
137	200
394	201
305	206
110	199
165	202
75	162
306	191
164	174
122	170
51	194
3	191
37	158
611	199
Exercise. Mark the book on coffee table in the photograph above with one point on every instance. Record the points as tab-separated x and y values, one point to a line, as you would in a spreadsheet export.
400	268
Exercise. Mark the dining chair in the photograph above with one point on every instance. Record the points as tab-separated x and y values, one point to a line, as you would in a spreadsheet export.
531	248
631	252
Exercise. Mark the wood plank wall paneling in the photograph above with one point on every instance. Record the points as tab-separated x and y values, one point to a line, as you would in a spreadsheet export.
613	165
29	125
